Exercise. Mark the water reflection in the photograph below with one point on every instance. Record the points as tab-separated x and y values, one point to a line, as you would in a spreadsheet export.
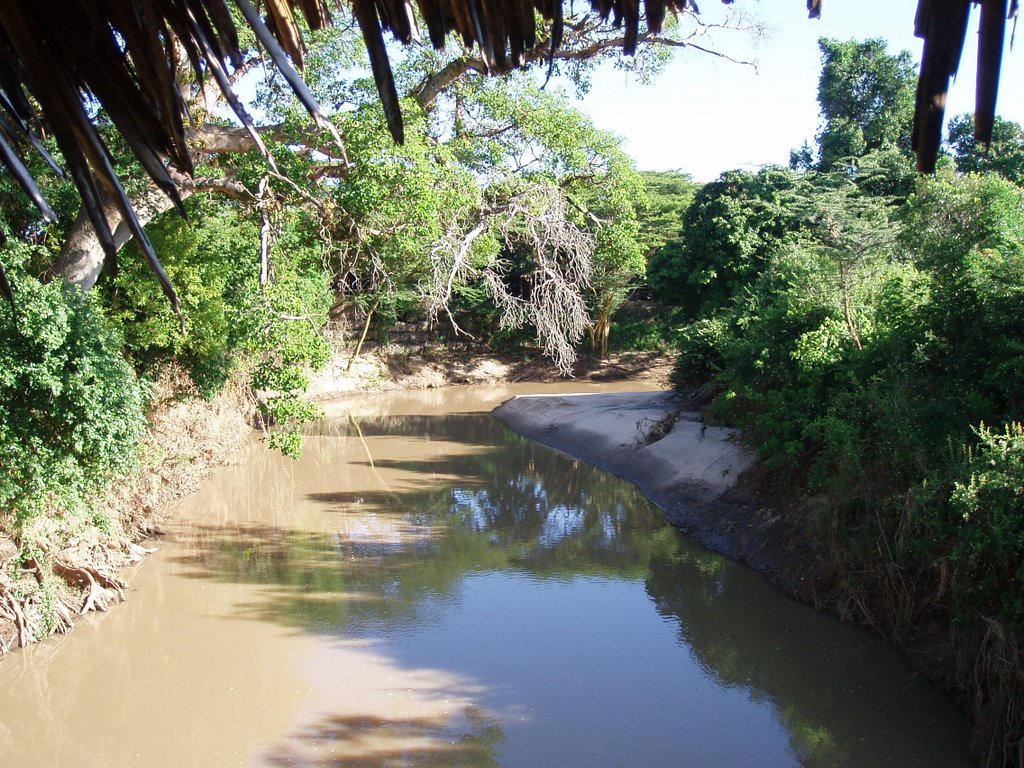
377	742
461	547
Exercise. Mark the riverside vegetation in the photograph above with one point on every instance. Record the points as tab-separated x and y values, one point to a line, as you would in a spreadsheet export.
859	323
505	217
862	326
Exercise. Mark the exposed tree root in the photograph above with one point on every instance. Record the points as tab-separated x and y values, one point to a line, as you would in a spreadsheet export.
13	610
63	620
101	590
136	552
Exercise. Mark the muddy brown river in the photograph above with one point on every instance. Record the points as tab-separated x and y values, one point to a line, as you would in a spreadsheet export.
426	588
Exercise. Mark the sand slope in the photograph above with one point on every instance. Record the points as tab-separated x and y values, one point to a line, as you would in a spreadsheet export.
686	471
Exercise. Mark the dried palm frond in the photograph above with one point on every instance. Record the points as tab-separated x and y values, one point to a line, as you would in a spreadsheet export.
943	26
67	55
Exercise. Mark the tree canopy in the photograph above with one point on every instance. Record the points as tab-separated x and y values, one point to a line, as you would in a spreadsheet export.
866	97
127	58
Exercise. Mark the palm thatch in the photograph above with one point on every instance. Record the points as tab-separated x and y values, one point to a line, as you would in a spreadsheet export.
62	58
943	26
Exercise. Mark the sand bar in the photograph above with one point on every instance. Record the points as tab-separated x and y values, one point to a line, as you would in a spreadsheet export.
683	466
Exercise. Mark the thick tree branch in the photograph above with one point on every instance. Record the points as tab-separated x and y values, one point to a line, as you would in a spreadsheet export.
81	259
427	92
226	139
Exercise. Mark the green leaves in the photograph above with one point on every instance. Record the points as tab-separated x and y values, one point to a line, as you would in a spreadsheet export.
70	406
866	100
989	513
1005	154
729	233
284	340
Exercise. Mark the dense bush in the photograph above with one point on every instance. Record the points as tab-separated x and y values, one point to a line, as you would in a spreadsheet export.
284	339
730	230
229	319
988	507
858	363
211	258
864	361
647	326
71	409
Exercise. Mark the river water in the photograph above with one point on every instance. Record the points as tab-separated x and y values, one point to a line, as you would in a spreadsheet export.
426	588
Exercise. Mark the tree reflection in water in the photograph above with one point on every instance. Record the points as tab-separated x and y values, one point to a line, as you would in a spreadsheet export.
485	501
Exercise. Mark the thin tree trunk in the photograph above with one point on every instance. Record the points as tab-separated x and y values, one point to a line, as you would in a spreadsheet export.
362	338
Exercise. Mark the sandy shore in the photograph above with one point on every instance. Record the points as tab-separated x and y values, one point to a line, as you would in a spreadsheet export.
685	468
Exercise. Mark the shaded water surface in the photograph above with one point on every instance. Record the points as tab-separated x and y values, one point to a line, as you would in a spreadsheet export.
426	588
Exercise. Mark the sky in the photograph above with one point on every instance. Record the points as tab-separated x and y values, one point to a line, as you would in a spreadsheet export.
705	115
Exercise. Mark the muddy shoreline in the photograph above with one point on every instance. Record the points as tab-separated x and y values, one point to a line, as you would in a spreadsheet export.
699	475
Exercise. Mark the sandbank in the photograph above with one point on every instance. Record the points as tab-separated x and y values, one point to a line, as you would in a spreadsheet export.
683	466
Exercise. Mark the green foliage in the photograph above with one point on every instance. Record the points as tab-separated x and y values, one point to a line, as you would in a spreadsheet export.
889	172
402	198
211	258
968	234
1004	156
423	221
729	232
988	510
70	406
284	339
907	336
859	359
646	326
19	215
276	330
866	98
669	194
701	346
613	197
667	271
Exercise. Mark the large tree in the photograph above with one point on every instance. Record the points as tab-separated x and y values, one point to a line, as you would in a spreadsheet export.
730	231
1003	155
466	135
866	102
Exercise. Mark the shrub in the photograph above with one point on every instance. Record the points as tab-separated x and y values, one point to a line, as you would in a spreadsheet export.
282	327
211	259
988	507
700	352
646	327
71	409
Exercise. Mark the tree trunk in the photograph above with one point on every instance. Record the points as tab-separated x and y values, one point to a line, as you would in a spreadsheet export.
600	331
81	259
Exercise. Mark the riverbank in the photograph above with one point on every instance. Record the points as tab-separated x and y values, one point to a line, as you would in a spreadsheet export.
423	579
711	488
698	474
